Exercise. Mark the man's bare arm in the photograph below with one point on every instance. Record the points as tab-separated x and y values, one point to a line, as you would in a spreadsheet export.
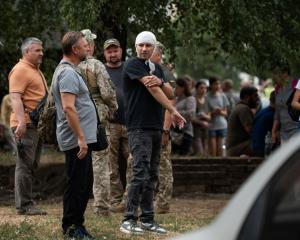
154	81
18	109
159	95
295	102
68	104
168	90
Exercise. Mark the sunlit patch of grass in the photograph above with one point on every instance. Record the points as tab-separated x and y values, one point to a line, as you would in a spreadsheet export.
16	227
49	155
7	158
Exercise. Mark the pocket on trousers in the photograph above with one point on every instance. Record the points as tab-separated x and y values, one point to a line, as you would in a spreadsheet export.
23	145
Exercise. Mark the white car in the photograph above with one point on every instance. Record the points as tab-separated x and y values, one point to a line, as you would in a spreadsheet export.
266	207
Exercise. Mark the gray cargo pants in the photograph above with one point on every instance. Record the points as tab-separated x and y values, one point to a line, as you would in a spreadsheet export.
28	156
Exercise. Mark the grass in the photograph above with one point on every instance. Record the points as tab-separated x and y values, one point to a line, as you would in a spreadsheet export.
6	158
185	215
49	155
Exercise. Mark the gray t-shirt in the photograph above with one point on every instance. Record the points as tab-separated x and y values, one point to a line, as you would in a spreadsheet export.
70	81
219	100
187	108
288	127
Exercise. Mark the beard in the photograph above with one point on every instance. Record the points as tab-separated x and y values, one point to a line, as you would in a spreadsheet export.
114	60
82	57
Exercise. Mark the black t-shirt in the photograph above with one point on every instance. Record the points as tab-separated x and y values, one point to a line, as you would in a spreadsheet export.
142	111
116	76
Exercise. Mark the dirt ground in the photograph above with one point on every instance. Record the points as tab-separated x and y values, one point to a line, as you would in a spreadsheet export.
207	206
186	214
189	211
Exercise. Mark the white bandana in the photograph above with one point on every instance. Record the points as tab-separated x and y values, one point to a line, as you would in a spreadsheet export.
145	37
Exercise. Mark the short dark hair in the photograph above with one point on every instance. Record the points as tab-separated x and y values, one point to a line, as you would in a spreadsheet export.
69	39
183	83
247	91
281	66
199	83
212	80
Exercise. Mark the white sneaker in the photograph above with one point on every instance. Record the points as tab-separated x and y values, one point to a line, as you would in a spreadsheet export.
131	227
153	227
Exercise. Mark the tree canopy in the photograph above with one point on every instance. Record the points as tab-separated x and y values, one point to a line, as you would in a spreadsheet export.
203	37
257	34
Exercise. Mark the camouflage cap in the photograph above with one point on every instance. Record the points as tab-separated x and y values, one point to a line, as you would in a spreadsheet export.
89	36
111	42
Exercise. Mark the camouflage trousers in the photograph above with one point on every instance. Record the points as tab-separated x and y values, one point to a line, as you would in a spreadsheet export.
118	145
165	179
101	186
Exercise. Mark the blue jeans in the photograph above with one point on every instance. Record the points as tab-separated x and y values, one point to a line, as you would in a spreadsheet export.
217	133
145	149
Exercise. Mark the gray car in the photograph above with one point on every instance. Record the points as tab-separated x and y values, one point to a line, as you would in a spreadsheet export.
267	206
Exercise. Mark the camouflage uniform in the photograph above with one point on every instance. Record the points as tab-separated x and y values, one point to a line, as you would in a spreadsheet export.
118	144
165	179
6	109
104	95
128	179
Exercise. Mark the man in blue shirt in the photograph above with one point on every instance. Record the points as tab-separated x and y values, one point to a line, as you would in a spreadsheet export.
262	125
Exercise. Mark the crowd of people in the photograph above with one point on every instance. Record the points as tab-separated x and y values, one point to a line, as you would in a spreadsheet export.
146	118
223	122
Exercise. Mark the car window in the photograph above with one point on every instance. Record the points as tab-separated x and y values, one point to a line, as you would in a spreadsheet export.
276	213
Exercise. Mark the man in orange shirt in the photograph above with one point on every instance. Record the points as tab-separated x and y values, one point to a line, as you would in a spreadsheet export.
27	87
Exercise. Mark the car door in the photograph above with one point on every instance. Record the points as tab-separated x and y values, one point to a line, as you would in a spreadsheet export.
275	214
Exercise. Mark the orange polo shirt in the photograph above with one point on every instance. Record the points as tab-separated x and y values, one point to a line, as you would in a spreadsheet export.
26	79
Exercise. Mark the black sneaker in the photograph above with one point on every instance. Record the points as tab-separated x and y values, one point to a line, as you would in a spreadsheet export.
87	233
77	233
131	227
153	227
31	211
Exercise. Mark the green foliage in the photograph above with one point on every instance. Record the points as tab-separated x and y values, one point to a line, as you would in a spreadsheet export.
258	34
25	18
115	18
250	35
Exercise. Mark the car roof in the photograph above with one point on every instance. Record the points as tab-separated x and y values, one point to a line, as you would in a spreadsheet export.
228	223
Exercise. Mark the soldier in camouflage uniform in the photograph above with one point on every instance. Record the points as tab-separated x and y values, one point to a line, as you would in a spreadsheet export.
118	131
104	95
8	136
165	178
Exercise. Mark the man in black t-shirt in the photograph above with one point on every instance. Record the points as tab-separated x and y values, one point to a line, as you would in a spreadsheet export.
118	147
145	94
